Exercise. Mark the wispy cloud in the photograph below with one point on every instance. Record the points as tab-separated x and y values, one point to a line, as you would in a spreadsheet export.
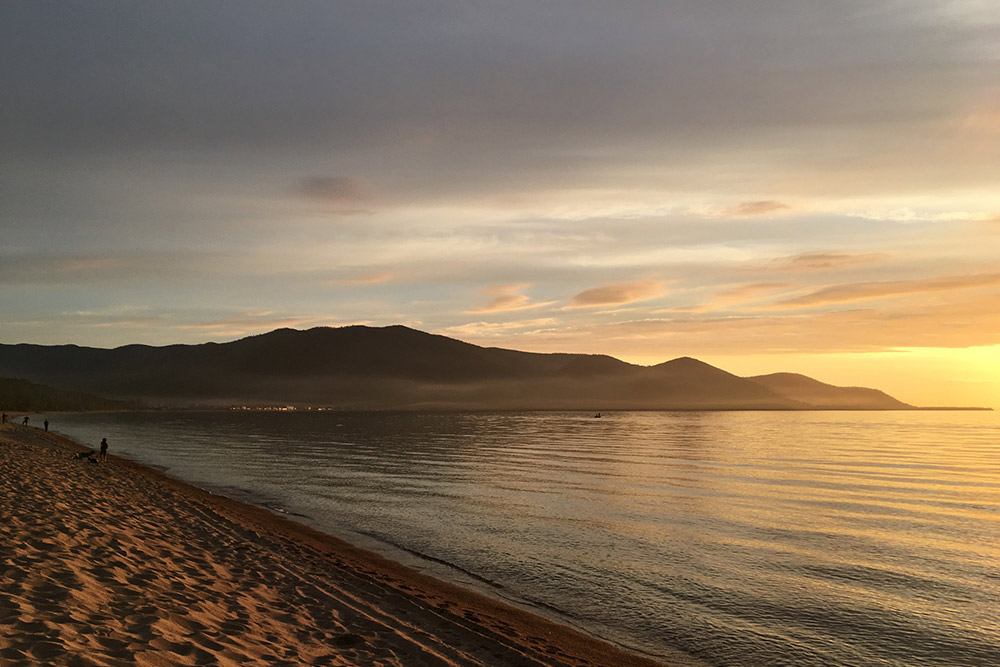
618	294
752	290
366	279
820	261
80	268
257	322
737	294
482	330
911	214
852	330
749	209
879	290
337	189
118	315
508	297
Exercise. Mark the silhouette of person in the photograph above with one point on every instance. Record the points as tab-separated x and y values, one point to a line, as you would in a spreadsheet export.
5	418
25	422
46	424
104	449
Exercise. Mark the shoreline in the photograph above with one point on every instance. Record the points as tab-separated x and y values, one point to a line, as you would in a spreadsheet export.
190	577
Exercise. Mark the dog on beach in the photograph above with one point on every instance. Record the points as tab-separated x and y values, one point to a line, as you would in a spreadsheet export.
84	456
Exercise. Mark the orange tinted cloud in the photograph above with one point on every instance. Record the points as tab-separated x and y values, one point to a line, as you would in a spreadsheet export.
750	291
821	261
751	208
880	290
854	330
618	294
508	297
734	295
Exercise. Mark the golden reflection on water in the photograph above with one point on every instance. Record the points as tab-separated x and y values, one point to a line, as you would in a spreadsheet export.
737	538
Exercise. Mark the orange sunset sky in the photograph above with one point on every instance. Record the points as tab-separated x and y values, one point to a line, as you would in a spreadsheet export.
767	186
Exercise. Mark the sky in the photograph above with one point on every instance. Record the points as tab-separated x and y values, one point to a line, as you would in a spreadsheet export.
779	185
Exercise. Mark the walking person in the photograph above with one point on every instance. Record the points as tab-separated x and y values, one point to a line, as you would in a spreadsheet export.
25	422
104	449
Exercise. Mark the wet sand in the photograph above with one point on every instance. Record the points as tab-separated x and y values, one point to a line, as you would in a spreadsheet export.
118	564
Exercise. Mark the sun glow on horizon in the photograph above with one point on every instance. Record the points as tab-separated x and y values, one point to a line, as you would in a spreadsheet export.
924	377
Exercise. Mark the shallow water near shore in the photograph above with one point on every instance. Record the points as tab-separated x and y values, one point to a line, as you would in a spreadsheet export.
777	538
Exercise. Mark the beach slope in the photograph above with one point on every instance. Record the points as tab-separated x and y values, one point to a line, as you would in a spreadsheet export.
117	564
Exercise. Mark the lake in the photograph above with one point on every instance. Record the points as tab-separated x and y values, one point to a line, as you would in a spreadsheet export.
712	538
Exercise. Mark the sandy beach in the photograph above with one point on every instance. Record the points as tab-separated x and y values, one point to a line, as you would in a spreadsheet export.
118	564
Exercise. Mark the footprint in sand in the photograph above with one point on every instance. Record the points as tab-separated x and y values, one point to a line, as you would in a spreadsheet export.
45	650
141	626
116	647
13	653
28	627
141	579
348	640
180	648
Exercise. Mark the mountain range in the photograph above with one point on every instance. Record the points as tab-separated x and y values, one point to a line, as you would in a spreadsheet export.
395	367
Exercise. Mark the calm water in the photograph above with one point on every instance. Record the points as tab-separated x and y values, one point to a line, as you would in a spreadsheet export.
731	538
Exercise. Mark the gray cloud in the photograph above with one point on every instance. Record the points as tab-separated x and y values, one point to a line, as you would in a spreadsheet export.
335	189
344	195
78	269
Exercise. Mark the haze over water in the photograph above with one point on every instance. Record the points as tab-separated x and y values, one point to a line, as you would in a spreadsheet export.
732	538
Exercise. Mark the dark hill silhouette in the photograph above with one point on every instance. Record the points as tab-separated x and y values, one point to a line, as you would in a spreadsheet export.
395	351
713	387
361	367
21	395
827	396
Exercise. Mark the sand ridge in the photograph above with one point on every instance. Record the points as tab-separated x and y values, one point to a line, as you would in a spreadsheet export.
117	564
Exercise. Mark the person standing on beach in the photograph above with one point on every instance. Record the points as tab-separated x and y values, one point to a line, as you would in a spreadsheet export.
104	449
46	424
5	418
